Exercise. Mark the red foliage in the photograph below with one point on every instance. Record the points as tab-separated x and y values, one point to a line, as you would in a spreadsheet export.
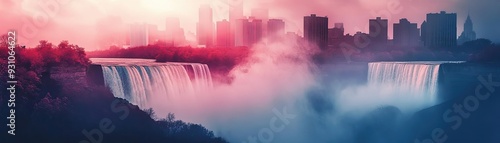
220	60
32	62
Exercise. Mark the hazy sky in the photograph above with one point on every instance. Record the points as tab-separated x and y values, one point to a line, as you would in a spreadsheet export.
76	20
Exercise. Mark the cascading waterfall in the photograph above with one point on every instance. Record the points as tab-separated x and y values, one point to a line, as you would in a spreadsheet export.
415	78
140	81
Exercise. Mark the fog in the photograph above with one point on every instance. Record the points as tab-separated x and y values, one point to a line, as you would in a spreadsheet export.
279	97
78	20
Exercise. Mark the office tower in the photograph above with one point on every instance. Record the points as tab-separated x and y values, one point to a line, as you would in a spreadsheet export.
406	34
223	33
316	30
235	10
440	30
235	13
468	34
117	32
262	14
378	33
174	34
358	40
248	32
205	26
153	34
240	30
255	32
336	34
139	35
276	27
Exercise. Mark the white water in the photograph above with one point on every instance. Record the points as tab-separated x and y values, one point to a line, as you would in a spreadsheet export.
141	81
416	78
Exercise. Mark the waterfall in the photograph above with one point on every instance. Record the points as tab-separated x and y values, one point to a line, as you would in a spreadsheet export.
139	82
415	78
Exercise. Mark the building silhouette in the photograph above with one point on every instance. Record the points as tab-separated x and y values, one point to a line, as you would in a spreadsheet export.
248	32
316	30
276	27
262	14
235	14
406	34
439	30
118	33
154	35
336	34
205	26
378	33
468	34
360	39
223	33
139	35
174	34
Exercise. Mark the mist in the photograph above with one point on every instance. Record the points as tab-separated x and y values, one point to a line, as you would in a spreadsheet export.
278	96
78	21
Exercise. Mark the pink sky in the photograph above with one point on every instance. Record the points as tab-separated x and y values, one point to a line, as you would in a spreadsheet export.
76	20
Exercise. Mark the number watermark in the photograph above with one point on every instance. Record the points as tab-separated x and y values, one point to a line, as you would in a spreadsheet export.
11	81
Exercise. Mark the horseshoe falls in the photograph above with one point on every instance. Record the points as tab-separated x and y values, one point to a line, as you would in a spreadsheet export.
415	79
140	81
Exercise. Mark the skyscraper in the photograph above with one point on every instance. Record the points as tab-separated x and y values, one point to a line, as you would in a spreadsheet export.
240	32
316	30
223	33
205	26
235	10
378	32
336	34
153	34
468	34
139	35
118	33
440	30
174	34
235	14
406	34
255	32
262	14
276	27
248	32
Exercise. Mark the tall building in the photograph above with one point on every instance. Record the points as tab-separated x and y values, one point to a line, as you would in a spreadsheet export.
117	32
262	14
248	32
378	32
153	34
468	34
139	35
235	14
336	34
316	30
358	37
174	34
440	30
223	33
406	34
235	10
205	26
254	30
276	27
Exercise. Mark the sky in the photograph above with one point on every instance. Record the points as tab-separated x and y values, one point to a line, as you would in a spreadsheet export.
77	20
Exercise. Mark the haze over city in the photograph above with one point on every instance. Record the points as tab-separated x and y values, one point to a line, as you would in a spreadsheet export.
79	18
250	71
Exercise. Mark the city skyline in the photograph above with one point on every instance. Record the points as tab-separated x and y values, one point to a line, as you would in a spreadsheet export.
352	24
437	31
